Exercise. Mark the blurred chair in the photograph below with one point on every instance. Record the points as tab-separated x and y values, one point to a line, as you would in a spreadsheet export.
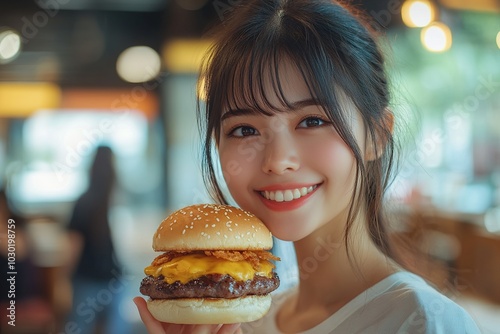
479	263
455	253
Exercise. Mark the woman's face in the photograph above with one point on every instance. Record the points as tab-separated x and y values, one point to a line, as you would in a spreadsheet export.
290	169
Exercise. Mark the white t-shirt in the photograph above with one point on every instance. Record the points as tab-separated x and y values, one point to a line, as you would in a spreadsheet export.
401	303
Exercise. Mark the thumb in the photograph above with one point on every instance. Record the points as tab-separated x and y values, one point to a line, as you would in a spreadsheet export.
152	325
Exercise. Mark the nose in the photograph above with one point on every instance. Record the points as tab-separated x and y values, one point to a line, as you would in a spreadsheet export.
280	155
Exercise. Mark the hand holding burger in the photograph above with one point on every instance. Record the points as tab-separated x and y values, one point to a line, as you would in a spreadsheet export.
215	267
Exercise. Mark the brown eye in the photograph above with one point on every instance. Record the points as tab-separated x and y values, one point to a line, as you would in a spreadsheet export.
243	131
311	122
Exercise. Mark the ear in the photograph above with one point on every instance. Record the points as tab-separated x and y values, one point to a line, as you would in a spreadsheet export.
374	147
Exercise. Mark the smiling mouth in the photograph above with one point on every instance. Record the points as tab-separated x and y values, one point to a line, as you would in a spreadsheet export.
287	195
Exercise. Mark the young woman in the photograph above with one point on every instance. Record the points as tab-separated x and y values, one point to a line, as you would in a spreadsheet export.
297	110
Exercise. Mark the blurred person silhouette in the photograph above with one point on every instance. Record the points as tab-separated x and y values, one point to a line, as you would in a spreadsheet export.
97	287
24	287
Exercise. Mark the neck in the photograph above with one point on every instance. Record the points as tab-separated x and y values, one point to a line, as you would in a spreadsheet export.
329	275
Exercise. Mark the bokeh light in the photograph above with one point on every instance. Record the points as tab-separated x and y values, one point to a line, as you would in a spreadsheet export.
417	13
138	64
436	37
10	45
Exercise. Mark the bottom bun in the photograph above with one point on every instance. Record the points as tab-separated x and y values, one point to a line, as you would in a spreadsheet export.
210	310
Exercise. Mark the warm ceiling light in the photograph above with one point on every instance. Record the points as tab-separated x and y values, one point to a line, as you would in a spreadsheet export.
436	37
185	55
10	45
138	64
15	104
417	13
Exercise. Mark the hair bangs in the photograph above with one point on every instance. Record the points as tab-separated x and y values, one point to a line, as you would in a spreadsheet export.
255	83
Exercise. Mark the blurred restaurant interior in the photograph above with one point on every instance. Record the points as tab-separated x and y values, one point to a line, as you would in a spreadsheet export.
77	74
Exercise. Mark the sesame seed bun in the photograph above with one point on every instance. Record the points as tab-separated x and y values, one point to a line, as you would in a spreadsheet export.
211	227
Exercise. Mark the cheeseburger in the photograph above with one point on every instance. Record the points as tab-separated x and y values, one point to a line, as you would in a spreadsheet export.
215	267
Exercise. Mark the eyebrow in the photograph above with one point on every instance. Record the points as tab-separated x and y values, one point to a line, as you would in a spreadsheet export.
247	111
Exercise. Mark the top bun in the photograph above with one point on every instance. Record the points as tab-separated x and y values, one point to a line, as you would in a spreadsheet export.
212	227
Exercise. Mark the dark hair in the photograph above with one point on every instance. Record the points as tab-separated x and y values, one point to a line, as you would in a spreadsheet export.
336	54
102	175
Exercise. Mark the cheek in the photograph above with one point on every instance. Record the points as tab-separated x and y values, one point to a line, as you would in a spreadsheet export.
333	158
231	169
236	164
238	156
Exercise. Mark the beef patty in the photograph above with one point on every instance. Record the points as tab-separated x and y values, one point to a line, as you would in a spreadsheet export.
208	286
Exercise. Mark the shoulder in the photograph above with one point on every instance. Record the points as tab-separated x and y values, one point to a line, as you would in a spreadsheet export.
426	309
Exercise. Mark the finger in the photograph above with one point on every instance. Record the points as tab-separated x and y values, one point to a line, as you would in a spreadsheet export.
216	329
177	329
152	325
201	329
230	329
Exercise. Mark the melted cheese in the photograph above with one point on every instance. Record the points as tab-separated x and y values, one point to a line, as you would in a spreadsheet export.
188	267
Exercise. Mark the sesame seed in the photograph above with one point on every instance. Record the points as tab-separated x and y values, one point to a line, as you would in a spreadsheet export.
213	225
183	231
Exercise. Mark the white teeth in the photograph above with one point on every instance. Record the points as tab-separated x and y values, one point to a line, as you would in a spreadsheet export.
296	193
287	195
279	196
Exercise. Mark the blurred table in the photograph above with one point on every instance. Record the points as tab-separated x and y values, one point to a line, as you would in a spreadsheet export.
455	251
